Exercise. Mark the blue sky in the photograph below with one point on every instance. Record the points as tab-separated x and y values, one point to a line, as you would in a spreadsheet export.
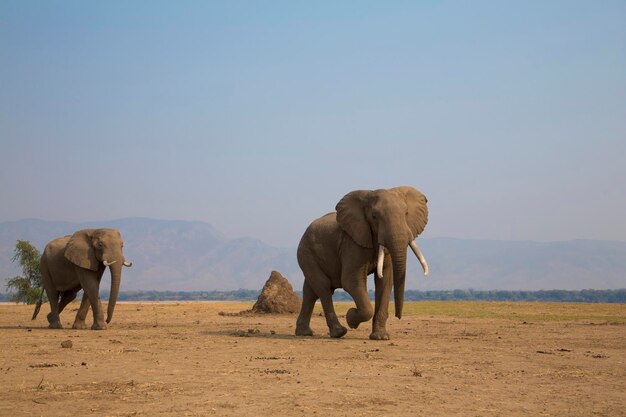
257	117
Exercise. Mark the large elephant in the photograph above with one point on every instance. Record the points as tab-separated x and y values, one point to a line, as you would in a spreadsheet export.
369	232
78	261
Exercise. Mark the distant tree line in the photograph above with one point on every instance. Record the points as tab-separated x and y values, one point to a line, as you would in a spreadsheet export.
237	295
583	296
565	296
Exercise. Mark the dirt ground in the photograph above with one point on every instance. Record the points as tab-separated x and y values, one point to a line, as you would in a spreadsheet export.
185	359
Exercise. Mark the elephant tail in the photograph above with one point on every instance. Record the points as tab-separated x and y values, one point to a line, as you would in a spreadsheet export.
38	305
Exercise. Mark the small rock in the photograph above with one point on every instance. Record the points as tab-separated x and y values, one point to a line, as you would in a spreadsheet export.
44	365
67	344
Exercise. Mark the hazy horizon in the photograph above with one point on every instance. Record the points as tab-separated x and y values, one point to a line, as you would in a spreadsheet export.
258	118
96	222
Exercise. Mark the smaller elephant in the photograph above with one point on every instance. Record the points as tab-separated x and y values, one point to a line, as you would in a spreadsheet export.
76	262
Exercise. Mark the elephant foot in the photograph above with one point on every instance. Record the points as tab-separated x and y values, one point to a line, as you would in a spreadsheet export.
55	325
50	318
353	318
304	332
379	335
338	331
97	326
79	325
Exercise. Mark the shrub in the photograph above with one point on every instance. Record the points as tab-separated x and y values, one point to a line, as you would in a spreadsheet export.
28	287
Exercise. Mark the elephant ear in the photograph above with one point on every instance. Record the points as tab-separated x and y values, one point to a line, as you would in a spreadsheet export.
80	251
418	211
351	218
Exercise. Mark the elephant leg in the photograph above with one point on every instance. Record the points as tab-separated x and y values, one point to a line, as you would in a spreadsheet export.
381	311
53	296
335	328
303	325
53	317
354	282
320	284
66	298
91	287
81	315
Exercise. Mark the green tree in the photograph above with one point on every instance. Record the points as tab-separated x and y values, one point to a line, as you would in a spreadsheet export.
28	287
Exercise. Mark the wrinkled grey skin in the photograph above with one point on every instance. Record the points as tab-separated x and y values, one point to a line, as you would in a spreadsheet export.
339	250
73	262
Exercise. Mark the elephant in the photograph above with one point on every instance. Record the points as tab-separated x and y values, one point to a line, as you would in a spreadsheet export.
368	233
78	261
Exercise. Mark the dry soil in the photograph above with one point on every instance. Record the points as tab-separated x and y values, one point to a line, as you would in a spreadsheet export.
444	359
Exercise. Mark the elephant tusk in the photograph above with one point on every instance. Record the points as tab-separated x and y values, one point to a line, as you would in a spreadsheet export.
381	261
107	263
127	264
419	255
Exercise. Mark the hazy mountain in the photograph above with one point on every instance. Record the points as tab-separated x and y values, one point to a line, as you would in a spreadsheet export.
166	255
521	265
181	255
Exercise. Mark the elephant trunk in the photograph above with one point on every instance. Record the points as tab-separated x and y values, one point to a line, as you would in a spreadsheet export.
398	261
116	278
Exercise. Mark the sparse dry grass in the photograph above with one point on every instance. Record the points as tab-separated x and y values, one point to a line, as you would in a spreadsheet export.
522	311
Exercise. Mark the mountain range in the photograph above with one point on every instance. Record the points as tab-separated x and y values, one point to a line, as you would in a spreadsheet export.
190	256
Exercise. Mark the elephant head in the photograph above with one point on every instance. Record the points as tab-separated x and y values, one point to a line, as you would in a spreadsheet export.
387	219
89	248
